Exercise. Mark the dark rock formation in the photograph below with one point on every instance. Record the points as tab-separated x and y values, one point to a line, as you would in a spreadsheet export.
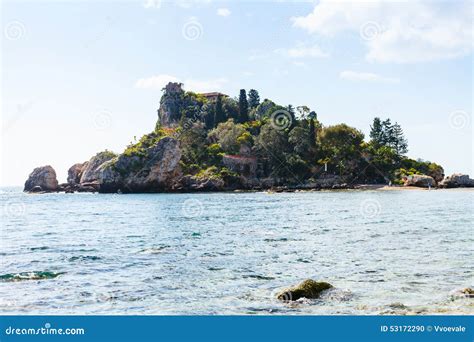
190	183
74	173
457	180
42	179
307	289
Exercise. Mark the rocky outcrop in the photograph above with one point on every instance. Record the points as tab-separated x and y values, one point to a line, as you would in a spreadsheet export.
90	172
169	112
191	183
422	181
307	289
457	180
74	173
42	179
154	169
437	173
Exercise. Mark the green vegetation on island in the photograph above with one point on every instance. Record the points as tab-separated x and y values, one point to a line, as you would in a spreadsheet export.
288	144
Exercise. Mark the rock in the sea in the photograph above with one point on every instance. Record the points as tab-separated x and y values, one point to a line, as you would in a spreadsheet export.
75	172
422	181
457	180
90	172
43	177
307	289
468	292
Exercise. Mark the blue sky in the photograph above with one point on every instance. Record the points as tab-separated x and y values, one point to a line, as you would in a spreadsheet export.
81	76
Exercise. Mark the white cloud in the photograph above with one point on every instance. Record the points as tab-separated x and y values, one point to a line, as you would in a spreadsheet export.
366	77
200	86
301	51
223	12
400	32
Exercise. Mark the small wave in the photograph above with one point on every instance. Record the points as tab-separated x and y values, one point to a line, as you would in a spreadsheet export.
215	268
84	258
275	240
259	277
154	250
36	275
304	261
42	248
337	294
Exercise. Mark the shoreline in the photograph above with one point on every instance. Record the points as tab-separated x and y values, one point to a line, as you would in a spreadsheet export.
283	189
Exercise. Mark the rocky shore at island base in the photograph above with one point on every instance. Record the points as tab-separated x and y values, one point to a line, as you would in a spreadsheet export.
158	169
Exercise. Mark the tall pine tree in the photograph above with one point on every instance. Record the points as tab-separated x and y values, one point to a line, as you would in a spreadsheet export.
397	140
243	107
254	98
384	133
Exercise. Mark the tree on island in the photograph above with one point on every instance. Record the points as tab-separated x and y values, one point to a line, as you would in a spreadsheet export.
254	98
384	133
219	114
312	133
243	107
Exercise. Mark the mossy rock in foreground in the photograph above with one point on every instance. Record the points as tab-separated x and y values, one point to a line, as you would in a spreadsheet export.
468	292
307	289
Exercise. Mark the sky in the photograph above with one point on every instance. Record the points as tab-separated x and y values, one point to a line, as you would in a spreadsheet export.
78	77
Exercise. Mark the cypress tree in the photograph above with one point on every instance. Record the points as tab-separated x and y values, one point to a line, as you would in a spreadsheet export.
312	133
219	115
243	107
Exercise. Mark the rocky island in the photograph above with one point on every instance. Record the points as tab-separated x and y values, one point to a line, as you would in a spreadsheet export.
212	142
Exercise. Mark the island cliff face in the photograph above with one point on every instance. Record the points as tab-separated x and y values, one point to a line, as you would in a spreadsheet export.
211	142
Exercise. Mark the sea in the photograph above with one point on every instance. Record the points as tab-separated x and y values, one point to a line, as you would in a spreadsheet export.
230	253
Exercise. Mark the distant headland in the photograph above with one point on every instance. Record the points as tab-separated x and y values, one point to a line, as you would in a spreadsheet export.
213	142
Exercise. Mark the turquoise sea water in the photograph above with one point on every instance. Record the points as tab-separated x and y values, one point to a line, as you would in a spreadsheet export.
386	252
